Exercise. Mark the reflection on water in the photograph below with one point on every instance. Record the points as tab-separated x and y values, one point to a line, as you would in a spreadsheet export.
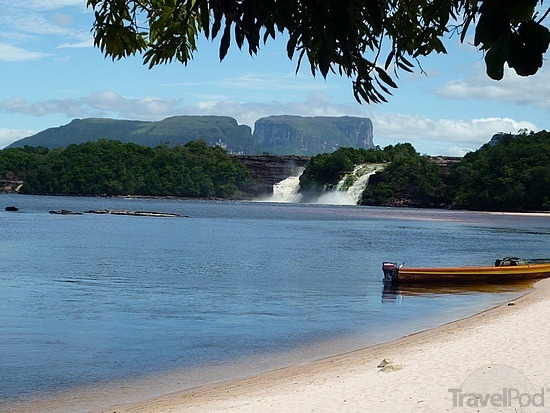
393	291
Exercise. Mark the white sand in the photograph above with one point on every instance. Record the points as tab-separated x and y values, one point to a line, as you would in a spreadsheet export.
505	349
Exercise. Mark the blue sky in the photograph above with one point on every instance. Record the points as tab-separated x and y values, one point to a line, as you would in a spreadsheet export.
51	74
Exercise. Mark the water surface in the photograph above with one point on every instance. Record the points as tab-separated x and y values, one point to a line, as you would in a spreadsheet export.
88	299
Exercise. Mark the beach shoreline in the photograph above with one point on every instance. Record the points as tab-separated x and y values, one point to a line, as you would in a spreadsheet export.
425	371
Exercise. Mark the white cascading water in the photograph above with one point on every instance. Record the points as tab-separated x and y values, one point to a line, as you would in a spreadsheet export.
288	189
349	189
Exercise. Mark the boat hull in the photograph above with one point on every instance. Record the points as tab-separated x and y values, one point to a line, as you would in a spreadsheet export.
488	274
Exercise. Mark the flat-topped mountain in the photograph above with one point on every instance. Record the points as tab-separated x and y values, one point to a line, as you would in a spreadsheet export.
277	135
215	130
282	135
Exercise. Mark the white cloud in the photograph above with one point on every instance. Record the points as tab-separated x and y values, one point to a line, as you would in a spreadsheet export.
112	104
257	87
8	136
9	53
48	5
532	90
23	21
146	108
68	107
26	25
452	137
89	42
317	104
104	104
268	81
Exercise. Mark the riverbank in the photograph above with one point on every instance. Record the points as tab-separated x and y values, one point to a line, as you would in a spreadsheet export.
499	354
121	314
502	348
426	371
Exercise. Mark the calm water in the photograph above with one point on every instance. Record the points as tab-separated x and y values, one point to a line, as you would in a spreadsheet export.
93	298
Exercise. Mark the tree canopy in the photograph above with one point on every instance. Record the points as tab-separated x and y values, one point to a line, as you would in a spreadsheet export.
511	175
369	41
109	167
406	175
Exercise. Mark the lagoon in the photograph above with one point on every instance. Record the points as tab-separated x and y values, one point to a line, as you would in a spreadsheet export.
236	288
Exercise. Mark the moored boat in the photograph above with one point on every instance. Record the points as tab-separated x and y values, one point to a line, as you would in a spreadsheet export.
505	270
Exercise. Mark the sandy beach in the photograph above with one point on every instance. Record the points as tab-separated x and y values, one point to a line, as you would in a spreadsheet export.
494	361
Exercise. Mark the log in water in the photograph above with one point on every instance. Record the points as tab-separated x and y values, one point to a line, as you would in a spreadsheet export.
133	213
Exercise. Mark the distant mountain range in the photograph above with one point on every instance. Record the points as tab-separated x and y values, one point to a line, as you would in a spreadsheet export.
276	135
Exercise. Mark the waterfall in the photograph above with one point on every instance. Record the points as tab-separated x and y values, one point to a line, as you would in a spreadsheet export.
349	189
288	189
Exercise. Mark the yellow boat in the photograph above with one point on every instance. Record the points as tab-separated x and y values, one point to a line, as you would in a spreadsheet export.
505	270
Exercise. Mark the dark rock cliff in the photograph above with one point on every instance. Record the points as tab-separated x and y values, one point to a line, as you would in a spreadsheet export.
267	170
9	186
312	135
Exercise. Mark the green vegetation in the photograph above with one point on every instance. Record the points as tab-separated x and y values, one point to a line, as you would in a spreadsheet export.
328	168
175	130
512	175
363	40
407	175
108	167
410	176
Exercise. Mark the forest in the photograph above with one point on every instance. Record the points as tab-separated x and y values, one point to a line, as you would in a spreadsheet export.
109	167
409	177
510	173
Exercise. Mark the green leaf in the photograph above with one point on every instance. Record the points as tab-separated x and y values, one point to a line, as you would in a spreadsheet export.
291	45
405	68
465	27
324	62
405	61
384	88
226	39
205	19
389	59
494	62
216	26
239	37
385	77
